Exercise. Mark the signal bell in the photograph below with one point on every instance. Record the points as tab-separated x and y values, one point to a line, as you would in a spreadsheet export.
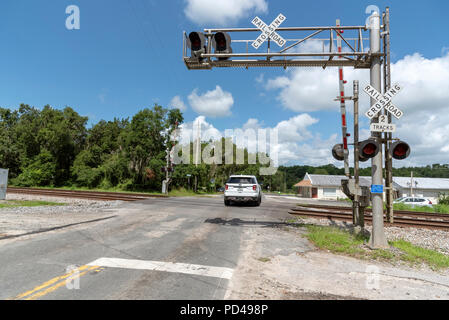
400	150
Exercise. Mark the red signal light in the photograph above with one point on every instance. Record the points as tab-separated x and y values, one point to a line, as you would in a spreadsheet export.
400	150
369	149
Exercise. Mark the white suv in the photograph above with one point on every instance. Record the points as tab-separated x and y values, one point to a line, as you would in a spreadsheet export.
242	189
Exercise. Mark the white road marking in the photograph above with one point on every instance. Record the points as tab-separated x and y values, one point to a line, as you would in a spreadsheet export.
207	271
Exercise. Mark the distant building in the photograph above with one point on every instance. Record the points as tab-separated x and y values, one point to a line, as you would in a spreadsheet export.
327	187
429	188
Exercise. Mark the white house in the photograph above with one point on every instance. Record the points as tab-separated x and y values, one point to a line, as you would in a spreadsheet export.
325	187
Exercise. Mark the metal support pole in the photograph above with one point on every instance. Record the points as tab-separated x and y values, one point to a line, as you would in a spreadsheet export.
359	218
378	239
388	136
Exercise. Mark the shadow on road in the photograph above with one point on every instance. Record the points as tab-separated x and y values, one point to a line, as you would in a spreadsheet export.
239	223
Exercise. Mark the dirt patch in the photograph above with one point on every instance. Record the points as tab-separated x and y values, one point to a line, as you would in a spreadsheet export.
298	271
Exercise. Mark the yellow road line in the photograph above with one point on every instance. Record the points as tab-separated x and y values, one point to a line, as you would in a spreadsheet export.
50	282
60	284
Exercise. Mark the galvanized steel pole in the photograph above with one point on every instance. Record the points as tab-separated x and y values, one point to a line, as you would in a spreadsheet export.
378	239
388	136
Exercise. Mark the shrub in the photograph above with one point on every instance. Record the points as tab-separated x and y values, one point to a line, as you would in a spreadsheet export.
443	199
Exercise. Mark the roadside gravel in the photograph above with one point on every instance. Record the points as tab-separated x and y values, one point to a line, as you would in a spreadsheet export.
24	220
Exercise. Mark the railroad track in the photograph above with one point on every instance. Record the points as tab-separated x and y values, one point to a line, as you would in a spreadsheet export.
91	195
401	218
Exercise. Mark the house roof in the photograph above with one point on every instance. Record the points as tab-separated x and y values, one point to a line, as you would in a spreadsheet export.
334	181
304	183
398	182
423	183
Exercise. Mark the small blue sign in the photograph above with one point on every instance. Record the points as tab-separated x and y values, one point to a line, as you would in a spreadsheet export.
377	189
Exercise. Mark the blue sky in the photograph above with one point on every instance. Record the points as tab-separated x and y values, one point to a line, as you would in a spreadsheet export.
127	56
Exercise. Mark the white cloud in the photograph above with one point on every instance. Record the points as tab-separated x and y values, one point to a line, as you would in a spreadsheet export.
214	103
177	103
295	145
222	12
424	100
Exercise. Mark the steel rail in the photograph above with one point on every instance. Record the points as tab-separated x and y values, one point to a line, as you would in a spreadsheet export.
110	196
399	221
403	213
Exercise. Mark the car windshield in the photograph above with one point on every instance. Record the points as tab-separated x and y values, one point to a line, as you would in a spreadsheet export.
400	199
241	180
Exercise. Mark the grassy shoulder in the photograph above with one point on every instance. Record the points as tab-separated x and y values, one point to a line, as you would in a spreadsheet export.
341	241
26	203
436	208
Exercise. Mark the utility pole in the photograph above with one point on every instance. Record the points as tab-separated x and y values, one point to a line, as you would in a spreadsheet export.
378	239
411	184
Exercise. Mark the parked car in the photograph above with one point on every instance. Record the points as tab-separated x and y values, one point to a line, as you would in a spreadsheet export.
414	201
221	189
242	189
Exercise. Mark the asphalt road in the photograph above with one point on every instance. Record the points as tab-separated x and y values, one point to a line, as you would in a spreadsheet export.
177	248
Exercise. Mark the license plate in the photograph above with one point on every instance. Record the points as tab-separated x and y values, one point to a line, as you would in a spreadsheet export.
240	190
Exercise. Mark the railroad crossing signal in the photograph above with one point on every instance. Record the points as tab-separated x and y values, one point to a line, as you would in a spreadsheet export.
383	101
197	43
368	149
400	150
268	32
221	41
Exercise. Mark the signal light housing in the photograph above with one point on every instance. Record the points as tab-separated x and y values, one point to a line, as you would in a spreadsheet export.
221	41
197	43
400	150
368	149
338	152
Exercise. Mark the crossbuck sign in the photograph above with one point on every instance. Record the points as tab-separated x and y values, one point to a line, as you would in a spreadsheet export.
383	101
268	32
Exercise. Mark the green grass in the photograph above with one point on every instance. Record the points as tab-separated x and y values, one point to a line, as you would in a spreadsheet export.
415	254
340	241
23	203
335	240
437	208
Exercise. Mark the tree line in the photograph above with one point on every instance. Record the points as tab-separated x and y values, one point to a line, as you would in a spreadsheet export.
54	148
